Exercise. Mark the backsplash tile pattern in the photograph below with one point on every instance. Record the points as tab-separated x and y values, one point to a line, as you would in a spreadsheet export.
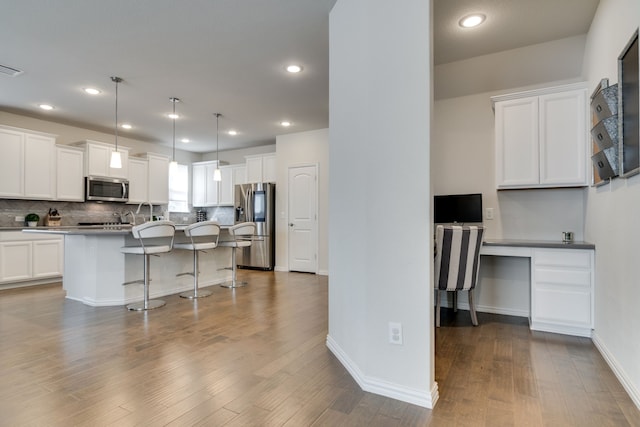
72	213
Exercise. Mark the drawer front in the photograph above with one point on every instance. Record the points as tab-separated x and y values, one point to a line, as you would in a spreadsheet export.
565	277
573	258
18	236
562	307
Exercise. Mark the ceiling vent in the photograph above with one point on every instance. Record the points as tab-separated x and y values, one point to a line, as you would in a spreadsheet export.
9	71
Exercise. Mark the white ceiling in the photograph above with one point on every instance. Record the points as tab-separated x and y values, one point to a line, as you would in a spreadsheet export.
220	56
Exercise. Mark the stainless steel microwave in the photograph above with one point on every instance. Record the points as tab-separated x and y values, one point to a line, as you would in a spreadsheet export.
103	189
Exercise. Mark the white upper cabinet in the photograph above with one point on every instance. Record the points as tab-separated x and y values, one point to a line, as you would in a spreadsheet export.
225	193
98	157
149	179
541	138
204	188
239	174
158	179
11	163
27	164
69	173
138	180
261	168
206	191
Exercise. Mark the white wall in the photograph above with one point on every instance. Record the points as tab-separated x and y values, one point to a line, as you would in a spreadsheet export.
233	157
379	198
613	212
556	60
296	149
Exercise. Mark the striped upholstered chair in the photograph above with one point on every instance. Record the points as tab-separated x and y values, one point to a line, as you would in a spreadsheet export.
457	263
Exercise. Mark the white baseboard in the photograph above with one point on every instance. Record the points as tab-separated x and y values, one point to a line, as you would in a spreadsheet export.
495	310
285	269
631	390
424	398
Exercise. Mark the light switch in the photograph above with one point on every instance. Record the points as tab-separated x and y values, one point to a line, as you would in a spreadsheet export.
488	213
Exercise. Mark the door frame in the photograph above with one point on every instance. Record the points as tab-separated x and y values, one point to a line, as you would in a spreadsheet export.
316	166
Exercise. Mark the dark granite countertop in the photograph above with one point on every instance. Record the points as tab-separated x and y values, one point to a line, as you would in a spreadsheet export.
539	244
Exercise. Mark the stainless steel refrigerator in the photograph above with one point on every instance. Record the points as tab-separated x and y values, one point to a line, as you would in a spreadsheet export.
256	203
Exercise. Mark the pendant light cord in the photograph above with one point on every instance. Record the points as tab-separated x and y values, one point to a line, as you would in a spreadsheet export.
116	80
174	100
217	137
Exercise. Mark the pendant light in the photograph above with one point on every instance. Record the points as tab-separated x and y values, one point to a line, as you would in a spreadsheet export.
116	159
173	163
217	176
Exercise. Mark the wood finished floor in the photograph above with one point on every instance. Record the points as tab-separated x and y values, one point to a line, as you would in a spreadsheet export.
257	357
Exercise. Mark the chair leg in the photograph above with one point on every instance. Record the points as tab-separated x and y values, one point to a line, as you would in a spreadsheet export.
146	304
455	301
437	308
234	269
472	309
195	293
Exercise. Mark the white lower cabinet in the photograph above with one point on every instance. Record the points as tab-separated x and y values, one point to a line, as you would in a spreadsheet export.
562	291
26	257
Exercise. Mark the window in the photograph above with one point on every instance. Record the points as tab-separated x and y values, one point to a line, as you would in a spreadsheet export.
178	188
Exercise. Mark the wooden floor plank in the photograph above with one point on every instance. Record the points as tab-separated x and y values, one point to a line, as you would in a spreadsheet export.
257	356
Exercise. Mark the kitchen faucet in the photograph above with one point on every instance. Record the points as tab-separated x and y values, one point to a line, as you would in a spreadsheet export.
150	210
133	217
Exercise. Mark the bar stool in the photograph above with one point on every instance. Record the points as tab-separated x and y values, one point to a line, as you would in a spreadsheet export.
242	234
202	235
155	237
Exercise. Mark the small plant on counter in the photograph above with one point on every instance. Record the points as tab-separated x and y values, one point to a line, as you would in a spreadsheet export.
32	219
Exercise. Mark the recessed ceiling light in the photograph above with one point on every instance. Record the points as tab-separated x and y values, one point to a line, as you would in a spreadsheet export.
173	116
233	132
471	21
185	140
92	91
293	68
285	124
126	126
46	107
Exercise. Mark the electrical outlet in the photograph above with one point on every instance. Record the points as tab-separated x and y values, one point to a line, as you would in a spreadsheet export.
395	333
19	219
488	213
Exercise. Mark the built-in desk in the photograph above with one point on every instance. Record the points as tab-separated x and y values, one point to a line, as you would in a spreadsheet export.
561	279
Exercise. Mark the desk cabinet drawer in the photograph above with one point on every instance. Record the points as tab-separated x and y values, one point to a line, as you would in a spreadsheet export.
563	258
567	307
562	291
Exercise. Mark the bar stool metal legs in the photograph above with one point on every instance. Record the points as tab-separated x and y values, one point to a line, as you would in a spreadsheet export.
234	268
146	304
195	293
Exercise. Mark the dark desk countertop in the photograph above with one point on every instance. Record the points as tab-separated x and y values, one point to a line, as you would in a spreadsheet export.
539	244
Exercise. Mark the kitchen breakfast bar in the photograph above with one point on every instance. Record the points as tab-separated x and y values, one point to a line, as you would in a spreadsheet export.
95	268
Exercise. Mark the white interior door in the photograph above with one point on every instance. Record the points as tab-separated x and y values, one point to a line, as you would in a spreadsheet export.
303	219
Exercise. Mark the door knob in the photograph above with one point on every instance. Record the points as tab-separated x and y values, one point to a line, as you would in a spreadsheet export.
290	224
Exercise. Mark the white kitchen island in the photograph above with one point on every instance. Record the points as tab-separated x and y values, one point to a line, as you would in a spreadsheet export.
95	269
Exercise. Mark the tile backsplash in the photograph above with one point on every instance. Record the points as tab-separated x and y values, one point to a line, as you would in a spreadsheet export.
72	213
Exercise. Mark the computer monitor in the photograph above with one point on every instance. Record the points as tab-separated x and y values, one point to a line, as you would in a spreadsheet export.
457	208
